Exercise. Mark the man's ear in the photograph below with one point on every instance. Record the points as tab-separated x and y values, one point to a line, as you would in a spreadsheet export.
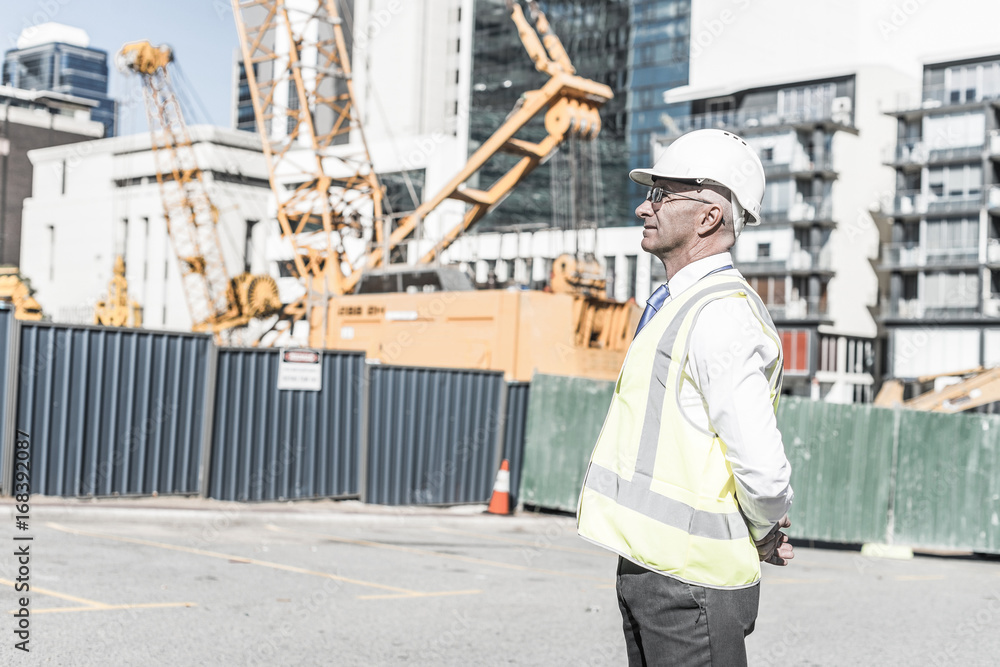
711	220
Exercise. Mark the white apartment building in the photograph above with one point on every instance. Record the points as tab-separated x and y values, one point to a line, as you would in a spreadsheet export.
812	104
940	262
94	200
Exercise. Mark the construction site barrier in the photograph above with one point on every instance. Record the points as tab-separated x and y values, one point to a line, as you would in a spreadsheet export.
860	473
515	425
271	444
434	435
565	415
112	411
8	395
947	485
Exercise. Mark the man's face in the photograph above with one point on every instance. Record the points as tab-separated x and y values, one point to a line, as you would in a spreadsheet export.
669	224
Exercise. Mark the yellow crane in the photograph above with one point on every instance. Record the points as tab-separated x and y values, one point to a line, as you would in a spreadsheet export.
216	302
337	195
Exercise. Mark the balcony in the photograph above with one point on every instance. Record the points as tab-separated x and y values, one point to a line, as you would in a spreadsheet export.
915	309
919	152
800	164
906	255
993	199
799	309
802	260
804	210
939	97
835	112
915	203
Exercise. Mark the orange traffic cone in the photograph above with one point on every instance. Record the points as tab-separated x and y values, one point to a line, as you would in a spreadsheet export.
500	500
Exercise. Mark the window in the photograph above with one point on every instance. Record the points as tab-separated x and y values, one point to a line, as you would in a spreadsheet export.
943	289
795	348
609	275
633	265
52	252
767	154
763	250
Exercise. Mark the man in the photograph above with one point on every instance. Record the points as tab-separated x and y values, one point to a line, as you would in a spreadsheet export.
689	482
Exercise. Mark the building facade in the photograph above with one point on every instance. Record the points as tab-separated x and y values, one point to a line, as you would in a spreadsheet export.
96	200
636	47
30	120
58	58
940	263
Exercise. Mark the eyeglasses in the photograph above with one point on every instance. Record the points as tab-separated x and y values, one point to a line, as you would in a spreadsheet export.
657	195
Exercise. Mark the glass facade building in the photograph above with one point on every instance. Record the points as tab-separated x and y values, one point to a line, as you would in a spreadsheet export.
64	68
637	47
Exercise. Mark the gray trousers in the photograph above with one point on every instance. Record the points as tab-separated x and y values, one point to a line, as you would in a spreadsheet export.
669	622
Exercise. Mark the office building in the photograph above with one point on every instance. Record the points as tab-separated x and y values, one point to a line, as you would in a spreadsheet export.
637	48
58	58
29	120
96	200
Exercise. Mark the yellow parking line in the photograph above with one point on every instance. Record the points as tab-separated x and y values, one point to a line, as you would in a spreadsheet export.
535	545
239	559
91	605
419	595
400	592
61	596
438	554
110	607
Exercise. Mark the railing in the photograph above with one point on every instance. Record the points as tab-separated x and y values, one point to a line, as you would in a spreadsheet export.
914	254
916	202
914	151
799	163
993	198
761	117
807	209
923	152
932	97
800	309
912	309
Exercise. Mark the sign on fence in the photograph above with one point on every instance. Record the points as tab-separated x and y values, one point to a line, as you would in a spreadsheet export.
300	370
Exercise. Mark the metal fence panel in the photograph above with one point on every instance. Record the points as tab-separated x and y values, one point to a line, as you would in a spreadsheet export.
280	445
841	458
948	482
515	424
8	396
432	435
112	411
565	415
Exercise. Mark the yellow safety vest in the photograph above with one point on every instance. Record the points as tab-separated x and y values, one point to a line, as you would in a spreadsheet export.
659	489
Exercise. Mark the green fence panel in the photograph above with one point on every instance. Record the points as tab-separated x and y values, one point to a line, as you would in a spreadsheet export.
948	482
565	415
841	458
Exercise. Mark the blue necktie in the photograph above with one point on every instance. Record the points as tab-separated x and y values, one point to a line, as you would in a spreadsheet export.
653	304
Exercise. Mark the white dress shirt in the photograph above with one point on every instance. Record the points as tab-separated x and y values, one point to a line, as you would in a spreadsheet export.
724	390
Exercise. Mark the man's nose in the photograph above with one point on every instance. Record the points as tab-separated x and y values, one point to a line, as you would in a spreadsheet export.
644	210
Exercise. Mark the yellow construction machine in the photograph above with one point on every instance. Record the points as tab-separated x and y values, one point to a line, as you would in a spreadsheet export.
329	201
14	291
217	302
966	390
117	310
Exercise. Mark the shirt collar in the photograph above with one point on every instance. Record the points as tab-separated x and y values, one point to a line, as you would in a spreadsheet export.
697	270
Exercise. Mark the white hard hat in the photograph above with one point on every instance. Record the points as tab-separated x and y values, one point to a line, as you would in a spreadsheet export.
718	157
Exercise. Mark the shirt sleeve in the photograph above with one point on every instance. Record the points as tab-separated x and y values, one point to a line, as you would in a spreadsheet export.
728	354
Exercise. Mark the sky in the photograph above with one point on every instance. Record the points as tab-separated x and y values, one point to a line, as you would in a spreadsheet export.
201	33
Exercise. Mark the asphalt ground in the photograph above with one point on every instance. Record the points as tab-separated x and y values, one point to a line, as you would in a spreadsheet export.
192	582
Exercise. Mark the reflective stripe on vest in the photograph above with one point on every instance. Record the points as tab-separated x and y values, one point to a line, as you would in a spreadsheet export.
620	510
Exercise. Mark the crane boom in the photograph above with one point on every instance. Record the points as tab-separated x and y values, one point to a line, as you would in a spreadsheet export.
299	76
191	217
569	102
215	301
